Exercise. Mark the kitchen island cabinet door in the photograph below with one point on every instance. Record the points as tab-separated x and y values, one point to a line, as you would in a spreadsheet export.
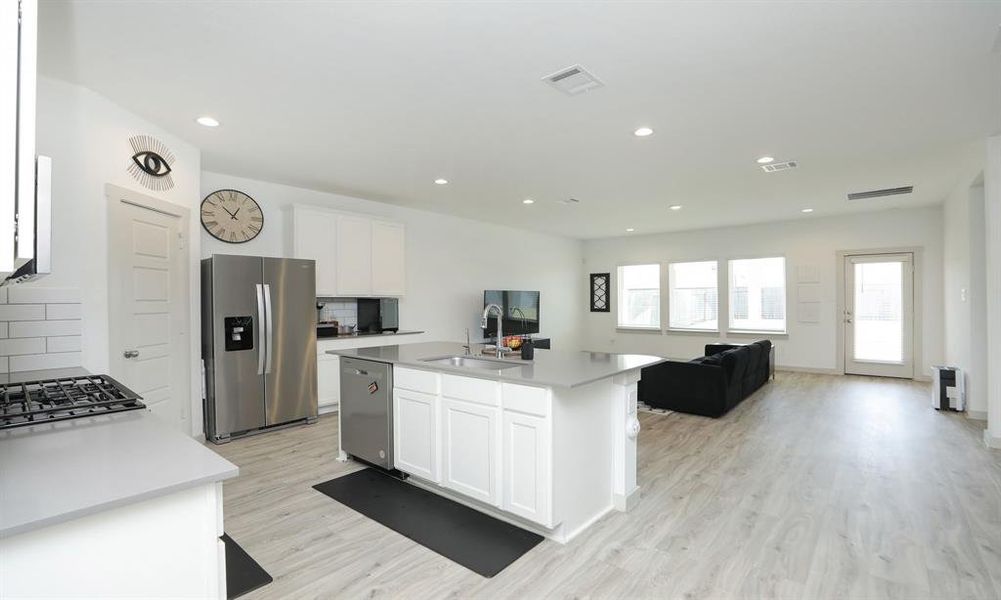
527	481
471	461
415	433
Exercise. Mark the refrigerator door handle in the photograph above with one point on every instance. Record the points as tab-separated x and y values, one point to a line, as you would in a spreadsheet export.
261	324
270	327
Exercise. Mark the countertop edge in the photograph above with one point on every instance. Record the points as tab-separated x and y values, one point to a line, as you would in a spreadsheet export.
367	336
496	376
117	503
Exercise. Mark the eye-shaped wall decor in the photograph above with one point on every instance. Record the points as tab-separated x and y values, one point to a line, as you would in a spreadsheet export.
151	162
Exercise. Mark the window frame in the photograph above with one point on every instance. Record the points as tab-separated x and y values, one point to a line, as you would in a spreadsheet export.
730	289
659	327
719	300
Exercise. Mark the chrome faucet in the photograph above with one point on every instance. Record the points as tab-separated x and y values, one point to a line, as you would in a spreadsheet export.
500	326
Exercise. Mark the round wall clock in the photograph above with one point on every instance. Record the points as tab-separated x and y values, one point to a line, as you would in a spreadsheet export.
232	216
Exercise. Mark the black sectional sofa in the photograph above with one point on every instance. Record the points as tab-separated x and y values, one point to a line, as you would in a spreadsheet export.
710	385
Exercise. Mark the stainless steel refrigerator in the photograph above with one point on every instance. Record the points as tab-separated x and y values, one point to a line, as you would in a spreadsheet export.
258	343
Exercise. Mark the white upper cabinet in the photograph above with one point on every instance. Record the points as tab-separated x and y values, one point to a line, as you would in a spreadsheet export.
388	250
17	116
314	238
355	255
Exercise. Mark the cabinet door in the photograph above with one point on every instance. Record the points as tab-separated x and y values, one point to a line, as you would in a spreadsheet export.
8	127
313	237
470	464
328	379
415	433
527	473
354	256
388	259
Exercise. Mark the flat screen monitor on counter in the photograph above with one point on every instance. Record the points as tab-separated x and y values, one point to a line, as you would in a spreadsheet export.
521	311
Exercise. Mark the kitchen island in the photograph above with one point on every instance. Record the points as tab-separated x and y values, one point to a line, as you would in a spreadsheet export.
120	505
547	444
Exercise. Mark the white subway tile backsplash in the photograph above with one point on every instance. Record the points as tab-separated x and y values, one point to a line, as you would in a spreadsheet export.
20	329
33	362
22	346
22	312
42	295
62	311
66	343
40	328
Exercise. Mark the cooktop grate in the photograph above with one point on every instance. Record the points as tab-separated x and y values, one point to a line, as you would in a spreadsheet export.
50	400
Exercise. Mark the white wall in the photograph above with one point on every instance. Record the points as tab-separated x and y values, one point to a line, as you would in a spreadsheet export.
87	137
810	241
450	261
992	221
964	278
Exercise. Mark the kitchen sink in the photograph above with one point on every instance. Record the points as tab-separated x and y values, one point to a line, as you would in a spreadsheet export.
470	362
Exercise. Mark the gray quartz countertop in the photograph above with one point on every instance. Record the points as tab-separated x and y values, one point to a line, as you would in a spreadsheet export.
367	334
549	368
55	472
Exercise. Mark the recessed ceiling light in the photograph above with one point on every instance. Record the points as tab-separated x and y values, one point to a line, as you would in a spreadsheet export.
630	230
807	210
764	160
643	132
528	201
675	207
441	181
207	121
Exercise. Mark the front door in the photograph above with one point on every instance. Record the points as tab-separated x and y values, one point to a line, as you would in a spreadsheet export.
149	303
879	315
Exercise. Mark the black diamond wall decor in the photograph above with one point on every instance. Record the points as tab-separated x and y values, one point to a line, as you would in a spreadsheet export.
600	282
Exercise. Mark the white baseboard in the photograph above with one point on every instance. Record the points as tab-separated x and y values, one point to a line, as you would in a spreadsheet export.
991	441
626	502
326	410
814	370
976	415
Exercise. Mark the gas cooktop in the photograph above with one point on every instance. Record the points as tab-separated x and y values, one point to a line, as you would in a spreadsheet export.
51	400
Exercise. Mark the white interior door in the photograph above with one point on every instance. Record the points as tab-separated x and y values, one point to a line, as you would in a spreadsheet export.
148	302
879	315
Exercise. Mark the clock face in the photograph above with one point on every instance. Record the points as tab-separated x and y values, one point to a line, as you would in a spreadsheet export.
232	216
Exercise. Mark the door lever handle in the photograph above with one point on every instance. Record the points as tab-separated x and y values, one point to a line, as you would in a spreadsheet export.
131	354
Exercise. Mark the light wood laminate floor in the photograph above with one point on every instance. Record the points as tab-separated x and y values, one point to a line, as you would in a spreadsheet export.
815	487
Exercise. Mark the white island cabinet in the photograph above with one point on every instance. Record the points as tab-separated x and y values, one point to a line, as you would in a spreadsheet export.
549	444
494	439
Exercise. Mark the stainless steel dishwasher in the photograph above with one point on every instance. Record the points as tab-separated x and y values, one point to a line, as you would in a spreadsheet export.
367	410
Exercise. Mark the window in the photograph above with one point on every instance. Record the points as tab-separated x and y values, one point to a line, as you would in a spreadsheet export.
639	296
758	294
693	295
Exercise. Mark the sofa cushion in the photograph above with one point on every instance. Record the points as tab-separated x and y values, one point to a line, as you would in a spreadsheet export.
715	359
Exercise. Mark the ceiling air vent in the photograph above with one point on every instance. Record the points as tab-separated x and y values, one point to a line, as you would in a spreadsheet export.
782	166
569	201
880	193
573	80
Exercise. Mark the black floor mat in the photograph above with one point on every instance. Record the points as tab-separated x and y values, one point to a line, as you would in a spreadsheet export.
243	574
474	540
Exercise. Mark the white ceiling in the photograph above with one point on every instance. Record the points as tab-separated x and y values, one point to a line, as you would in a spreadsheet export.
378	99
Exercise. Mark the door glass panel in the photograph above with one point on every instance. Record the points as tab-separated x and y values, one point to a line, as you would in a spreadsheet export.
878	318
